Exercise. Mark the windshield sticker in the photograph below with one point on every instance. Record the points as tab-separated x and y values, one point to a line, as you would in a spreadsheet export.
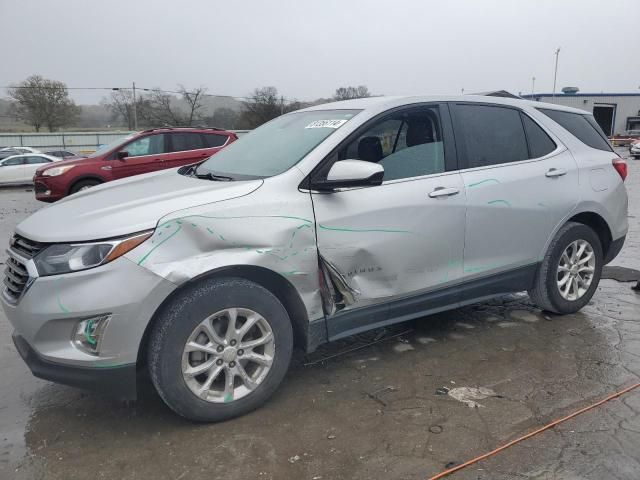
326	124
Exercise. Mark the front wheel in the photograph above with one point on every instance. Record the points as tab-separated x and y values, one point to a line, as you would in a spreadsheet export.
570	271
220	349
84	185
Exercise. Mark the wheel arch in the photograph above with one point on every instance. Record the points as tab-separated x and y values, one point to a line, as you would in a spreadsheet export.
598	224
272	281
82	178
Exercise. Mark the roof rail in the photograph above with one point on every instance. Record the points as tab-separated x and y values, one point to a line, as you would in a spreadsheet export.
171	127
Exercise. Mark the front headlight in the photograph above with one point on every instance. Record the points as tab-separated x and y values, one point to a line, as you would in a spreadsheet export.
73	257
55	171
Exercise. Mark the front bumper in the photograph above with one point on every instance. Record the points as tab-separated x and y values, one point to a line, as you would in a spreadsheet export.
119	381
47	190
48	312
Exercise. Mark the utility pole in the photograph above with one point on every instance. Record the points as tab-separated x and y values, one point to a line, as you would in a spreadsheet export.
555	73
533	86
135	108
281	105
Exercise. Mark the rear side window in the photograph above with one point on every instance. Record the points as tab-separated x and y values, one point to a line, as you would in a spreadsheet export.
539	142
183	141
36	159
583	127
213	140
489	135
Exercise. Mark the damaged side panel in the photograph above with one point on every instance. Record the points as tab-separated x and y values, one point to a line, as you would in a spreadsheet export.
263	229
382	243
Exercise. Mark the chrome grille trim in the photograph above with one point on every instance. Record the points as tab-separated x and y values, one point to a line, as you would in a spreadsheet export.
27	247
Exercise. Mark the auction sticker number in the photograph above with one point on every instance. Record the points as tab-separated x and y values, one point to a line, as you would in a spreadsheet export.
326	124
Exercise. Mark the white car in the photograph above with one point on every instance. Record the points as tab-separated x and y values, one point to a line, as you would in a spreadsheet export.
19	169
21	149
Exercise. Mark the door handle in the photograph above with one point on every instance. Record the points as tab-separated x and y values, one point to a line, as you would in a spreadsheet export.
443	192
555	172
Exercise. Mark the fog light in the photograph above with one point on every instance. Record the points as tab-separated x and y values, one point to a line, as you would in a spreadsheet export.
87	335
47	192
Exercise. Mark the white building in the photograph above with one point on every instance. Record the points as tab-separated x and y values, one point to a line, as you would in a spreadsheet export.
614	112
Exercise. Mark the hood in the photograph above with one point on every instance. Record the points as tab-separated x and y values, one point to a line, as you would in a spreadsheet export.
66	161
126	206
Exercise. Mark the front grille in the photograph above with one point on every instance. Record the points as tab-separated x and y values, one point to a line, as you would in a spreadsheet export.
16	278
26	247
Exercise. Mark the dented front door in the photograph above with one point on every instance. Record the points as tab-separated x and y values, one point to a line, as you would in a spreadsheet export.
385	242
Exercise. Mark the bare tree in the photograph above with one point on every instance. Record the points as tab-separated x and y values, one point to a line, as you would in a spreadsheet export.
193	100
121	105
348	93
262	105
39	102
223	118
159	109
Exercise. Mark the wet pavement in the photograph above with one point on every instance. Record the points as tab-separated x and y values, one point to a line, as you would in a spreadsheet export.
441	391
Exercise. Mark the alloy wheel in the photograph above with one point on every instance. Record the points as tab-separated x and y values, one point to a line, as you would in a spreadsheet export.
575	270
228	355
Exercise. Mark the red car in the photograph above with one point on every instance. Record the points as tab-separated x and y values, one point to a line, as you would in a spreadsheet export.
142	152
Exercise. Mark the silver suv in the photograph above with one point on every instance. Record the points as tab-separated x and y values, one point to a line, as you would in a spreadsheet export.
320	224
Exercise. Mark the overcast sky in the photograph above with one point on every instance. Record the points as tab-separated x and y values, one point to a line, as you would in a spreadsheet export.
308	48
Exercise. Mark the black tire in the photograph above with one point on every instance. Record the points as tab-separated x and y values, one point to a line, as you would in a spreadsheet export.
545	292
178	319
82	184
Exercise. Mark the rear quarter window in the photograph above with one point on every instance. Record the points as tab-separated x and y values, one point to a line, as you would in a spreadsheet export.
213	140
539	142
583	127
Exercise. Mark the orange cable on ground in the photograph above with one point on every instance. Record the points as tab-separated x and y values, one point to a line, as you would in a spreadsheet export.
531	434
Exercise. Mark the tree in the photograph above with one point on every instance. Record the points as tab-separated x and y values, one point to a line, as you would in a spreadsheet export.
261	106
39	102
121	105
348	93
193	100
223	118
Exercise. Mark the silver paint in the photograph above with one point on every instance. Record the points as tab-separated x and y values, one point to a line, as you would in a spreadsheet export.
372	244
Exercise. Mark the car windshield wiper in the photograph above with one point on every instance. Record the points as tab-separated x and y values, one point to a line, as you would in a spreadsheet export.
214	177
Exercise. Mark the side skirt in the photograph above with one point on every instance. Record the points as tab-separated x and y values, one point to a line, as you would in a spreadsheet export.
351	322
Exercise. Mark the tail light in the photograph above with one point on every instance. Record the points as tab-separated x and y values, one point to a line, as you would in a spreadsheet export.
621	167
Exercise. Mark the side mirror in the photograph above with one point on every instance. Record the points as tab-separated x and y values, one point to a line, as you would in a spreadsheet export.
351	173
121	155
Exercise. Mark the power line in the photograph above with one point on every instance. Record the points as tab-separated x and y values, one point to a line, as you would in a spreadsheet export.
214	95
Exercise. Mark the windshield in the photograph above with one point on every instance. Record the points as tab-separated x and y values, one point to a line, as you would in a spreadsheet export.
277	145
105	148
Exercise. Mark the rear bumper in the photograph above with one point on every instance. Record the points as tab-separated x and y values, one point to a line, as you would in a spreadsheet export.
119	381
614	249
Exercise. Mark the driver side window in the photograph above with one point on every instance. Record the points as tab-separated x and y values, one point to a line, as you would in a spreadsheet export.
407	144
149	145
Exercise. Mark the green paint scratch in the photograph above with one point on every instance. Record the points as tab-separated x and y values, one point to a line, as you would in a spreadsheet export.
62	308
86	334
362	230
495	202
228	398
158	244
494	180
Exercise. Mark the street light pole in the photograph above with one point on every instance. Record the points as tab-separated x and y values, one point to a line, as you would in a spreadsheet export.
135	108
533	85
555	73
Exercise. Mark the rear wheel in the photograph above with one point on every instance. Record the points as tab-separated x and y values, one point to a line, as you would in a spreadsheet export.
84	184
220	349
570	271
